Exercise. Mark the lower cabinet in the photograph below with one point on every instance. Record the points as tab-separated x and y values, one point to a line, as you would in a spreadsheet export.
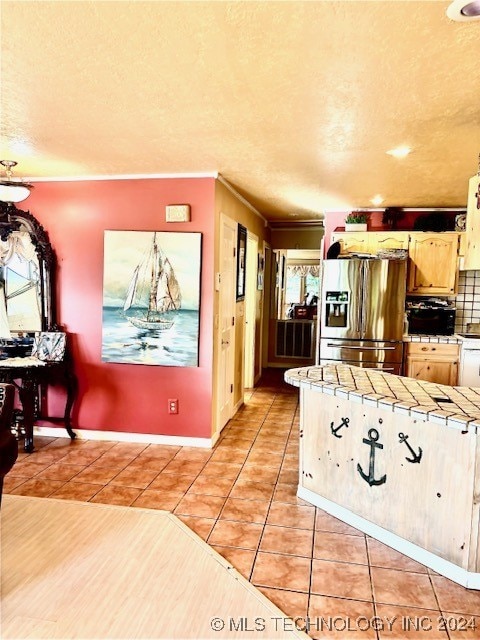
432	362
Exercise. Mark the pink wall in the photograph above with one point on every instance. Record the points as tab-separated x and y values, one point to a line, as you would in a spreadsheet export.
122	397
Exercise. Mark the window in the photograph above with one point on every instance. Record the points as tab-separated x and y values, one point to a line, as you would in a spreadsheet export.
301	286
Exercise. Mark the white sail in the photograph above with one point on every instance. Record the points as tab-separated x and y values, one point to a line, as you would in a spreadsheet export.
169	297
160	296
132	289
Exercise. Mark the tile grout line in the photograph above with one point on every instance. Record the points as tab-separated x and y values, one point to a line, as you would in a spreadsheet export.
372	591
257	550
239	472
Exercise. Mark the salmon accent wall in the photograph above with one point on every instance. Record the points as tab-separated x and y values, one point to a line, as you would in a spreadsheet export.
122	397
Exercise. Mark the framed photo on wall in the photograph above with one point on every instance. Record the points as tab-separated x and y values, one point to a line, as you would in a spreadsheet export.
241	261
260	271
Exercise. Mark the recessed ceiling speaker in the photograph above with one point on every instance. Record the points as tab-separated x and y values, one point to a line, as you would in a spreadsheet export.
464	10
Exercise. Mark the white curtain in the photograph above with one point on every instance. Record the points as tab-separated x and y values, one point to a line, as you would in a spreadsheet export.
304	269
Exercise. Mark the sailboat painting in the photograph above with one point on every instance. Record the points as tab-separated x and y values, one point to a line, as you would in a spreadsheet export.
151	298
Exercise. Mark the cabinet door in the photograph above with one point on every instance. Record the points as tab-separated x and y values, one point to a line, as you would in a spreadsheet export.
352	242
388	240
431	370
433	263
472	249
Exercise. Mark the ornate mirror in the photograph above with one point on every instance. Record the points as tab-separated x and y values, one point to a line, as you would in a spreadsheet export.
32	349
26	273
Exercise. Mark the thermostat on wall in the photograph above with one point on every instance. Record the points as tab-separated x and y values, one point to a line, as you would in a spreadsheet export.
178	213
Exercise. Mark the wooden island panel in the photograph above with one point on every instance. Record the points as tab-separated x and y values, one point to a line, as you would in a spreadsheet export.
419	501
397	458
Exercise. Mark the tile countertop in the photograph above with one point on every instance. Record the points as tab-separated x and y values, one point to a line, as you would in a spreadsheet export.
455	339
454	407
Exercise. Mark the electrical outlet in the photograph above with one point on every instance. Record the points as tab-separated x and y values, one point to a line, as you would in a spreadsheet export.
173	405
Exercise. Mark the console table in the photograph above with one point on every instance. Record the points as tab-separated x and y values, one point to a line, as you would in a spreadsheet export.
27	375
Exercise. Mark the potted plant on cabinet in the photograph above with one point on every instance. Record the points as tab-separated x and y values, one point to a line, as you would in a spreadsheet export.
356	221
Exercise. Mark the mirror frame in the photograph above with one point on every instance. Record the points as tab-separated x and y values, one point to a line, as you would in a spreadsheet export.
13	219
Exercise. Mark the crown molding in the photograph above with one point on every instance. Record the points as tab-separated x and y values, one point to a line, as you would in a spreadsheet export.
126	176
232	190
295	222
301	227
382	209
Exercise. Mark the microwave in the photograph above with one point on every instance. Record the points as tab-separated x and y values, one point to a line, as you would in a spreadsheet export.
431	321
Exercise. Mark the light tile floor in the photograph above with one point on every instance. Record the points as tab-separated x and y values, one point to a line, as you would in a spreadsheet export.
241	499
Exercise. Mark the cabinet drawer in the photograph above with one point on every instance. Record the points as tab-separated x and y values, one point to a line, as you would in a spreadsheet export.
432	348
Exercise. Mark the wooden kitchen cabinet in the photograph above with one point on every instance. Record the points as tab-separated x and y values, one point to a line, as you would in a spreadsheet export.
353	242
388	240
432	362
432	257
472	227
370	241
433	261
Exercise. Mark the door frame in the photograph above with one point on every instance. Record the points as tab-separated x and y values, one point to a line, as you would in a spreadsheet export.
250	310
225	220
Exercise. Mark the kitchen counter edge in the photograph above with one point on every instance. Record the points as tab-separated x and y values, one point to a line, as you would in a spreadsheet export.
325	379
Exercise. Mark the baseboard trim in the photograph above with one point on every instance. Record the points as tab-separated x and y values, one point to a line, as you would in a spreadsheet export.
143	438
237	407
467	579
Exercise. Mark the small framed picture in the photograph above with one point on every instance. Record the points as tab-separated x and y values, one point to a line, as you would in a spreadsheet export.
241	261
260	271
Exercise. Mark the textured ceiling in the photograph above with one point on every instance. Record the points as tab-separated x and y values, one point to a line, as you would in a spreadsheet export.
294	103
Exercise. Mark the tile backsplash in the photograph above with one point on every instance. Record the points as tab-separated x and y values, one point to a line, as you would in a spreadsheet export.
468	300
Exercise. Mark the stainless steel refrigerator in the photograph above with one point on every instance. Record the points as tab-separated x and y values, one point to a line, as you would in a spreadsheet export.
362	308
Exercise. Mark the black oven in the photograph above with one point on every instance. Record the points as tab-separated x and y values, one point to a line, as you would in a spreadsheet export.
428	319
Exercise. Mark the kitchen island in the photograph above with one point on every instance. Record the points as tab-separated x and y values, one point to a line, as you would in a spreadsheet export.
396	458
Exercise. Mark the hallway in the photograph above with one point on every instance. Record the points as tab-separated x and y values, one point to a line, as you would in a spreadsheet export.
241	498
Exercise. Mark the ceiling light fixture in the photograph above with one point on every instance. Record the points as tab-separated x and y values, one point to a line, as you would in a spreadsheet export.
377	200
464	10
399	152
12	189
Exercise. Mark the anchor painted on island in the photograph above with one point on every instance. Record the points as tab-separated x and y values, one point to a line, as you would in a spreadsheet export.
373	436
344	423
416	456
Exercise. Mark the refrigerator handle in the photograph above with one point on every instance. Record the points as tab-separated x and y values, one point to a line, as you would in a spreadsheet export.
364	302
358	304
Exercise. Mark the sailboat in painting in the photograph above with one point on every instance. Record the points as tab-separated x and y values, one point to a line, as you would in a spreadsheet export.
153	296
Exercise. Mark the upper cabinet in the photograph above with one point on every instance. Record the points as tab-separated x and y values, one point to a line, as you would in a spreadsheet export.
433	261
370	241
389	240
353	242
433	257
472	229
